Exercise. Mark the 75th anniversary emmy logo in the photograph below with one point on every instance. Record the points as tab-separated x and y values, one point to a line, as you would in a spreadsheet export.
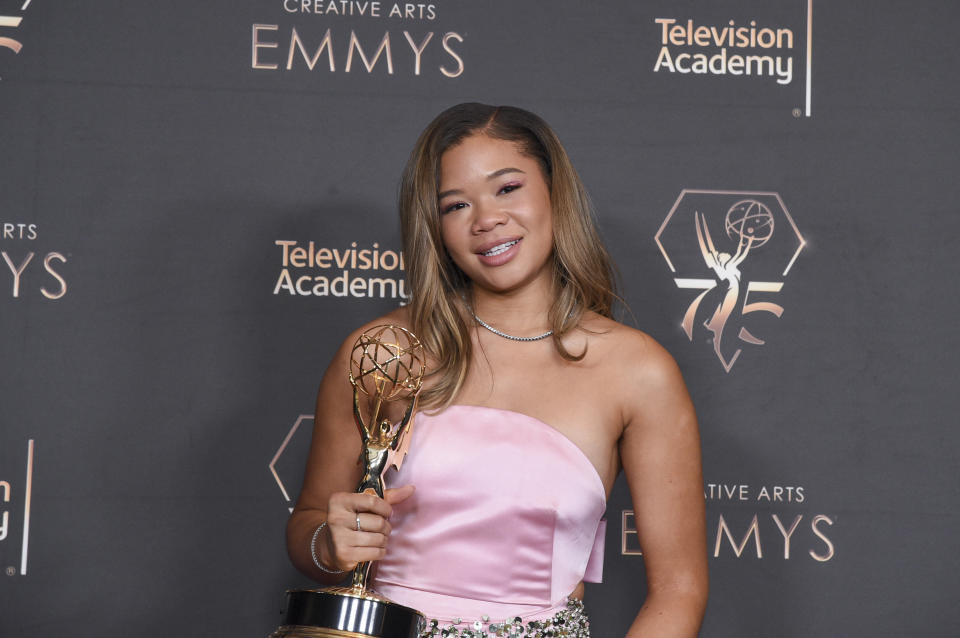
9	23
732	250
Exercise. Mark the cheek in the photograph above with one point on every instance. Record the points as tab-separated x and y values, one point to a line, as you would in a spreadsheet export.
446	232
545	220
452	240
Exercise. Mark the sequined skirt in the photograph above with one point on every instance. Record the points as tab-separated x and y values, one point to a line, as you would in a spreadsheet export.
571	622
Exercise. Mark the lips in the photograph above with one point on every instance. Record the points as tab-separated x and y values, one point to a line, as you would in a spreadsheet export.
499	248
498	252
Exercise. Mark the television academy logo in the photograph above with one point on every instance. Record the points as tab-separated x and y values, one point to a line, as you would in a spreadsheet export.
16	498
12	22
745	47
748	242
356	270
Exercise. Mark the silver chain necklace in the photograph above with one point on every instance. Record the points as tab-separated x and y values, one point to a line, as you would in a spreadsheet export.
511	337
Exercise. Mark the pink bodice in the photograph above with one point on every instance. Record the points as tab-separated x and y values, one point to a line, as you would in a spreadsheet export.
505	520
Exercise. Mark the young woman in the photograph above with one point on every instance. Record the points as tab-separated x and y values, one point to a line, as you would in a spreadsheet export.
535	401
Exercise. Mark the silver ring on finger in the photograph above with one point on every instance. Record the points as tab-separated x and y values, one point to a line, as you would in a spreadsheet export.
358	523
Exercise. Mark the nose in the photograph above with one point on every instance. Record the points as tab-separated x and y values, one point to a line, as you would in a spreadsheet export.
486	217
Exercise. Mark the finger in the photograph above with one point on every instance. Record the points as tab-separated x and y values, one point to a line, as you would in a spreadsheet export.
365	554
355	547
371	503
366	540
347	503
396	495
373	523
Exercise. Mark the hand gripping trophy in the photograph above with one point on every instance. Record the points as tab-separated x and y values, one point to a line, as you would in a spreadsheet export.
386	364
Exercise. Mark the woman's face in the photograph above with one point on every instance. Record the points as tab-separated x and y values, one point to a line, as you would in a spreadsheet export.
495	214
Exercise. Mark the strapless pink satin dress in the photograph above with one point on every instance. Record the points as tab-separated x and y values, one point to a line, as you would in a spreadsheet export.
505	520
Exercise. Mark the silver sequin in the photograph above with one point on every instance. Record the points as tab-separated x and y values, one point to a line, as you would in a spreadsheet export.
571	622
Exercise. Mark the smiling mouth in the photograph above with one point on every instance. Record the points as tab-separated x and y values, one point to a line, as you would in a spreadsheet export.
496	250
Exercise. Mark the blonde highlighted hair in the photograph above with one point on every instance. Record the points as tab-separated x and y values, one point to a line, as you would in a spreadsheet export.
583	276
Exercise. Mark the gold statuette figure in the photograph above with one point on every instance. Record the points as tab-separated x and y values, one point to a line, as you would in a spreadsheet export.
386	364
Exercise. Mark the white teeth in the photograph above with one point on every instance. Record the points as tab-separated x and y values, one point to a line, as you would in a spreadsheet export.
496	250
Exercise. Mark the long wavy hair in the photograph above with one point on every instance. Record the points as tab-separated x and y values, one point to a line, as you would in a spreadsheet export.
583	278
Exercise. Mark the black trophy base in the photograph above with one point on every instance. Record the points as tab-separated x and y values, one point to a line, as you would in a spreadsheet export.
346	613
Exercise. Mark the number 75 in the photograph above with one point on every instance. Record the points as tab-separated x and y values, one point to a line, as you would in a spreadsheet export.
10	43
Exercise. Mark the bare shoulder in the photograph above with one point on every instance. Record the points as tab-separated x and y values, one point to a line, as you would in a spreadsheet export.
398	317
333	388
637	373
341	359
629	351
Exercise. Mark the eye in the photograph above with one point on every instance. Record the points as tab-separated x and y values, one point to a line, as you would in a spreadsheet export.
449	208
509	188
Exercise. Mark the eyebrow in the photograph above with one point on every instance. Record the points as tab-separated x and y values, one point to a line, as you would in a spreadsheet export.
493	175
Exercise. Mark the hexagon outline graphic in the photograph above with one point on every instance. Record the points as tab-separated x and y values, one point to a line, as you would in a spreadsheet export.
272	466
783	207
726	266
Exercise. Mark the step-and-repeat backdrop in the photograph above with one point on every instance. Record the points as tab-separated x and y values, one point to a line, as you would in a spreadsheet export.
197	204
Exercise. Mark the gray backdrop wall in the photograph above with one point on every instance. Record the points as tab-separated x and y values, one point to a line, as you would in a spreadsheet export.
161	337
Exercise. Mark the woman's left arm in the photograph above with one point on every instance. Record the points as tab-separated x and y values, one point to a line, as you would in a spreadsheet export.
660	454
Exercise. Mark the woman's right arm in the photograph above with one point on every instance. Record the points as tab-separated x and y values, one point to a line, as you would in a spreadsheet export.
328	494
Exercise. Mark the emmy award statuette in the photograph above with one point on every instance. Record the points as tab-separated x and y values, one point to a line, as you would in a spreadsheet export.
386	364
